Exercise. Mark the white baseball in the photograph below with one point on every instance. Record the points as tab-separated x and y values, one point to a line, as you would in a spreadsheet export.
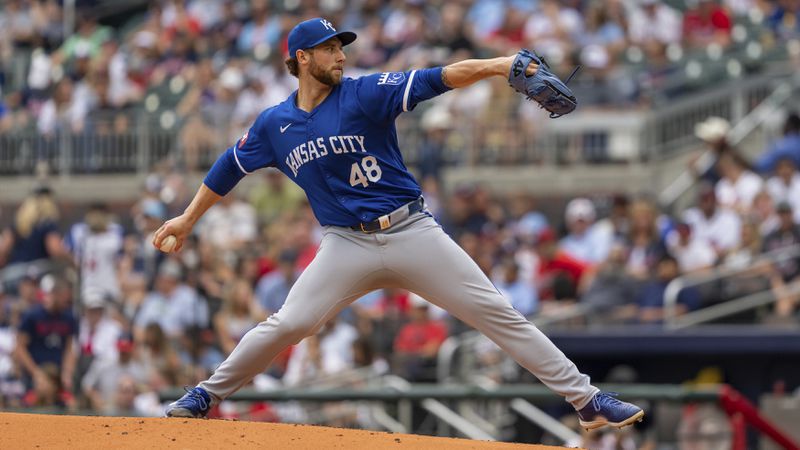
168	244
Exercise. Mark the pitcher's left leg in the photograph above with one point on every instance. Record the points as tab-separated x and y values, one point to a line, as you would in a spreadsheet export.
436	268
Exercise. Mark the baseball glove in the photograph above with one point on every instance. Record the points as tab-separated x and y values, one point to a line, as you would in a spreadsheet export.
544	87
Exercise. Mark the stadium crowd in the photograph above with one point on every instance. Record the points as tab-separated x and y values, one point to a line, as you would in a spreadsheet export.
92	315
214	64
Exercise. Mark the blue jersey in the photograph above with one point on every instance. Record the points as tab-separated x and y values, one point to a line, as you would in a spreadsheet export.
344	153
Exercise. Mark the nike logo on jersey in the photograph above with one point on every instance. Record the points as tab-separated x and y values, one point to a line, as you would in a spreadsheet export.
284	128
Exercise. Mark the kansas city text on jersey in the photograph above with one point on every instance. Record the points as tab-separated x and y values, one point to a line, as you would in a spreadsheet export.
317	148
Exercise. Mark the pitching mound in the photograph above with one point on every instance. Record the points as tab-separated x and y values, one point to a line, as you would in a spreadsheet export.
47	431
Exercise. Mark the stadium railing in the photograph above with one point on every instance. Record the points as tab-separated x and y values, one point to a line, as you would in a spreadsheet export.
727	308
748	116
589	137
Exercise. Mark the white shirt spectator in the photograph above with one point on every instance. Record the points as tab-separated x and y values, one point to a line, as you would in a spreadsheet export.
692	255
73	117
225	225
665	26
585	241
104	377
591	247
335	352
789	193
103	341
739	193
40	72
545	34
182	309
8	340
97	255
722	230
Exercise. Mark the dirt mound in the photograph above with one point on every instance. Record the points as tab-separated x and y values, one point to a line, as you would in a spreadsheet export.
47	431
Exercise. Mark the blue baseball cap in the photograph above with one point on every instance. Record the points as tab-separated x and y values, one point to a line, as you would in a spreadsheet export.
313	32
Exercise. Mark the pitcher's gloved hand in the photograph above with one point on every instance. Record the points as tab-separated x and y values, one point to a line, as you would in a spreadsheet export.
543	86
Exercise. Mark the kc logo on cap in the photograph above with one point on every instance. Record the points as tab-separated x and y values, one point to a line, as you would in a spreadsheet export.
327	24
309	34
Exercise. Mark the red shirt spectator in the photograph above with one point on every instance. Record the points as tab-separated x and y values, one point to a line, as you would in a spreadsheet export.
421	336
554	265
707	23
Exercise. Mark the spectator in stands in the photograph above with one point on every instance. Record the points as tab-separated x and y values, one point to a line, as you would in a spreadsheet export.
275	196
603	29
102	380
379	317
654	22
787	146
98	333
238	315
11	388
554	28
559	276
717	225
707	22
511	33
228	225
96	244
651	300
197	353
45	339
584	242
784	186
262	30
126	394
64	111
786	236
88	39
611	294
34	234
273	288
327	353
159	358
691	253
525	218
784	19
645	246
437	123
738	185
520	292
417	344
763	213
172	305
751	276
617	225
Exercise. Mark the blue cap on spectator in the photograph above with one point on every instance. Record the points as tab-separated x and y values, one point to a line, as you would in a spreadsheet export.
313	32
154	208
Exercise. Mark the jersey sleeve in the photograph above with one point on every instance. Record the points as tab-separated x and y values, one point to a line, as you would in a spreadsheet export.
250	153
383	96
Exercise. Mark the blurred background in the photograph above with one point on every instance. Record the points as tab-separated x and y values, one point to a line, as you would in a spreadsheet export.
653	233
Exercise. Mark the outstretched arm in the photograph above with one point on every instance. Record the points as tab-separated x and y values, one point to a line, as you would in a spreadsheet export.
469	71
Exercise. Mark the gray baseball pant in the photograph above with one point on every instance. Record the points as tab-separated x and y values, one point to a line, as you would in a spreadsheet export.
414	254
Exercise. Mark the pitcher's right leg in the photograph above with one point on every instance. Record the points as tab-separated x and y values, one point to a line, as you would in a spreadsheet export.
338	275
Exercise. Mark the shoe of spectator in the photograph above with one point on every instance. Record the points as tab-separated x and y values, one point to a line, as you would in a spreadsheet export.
604	410
194	404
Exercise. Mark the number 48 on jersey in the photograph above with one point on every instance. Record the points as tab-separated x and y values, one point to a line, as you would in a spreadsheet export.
364	172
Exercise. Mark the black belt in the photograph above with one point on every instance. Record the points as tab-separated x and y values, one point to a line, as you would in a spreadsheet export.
387	220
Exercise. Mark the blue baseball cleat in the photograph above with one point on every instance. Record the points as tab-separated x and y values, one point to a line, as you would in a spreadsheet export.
604	410
195	403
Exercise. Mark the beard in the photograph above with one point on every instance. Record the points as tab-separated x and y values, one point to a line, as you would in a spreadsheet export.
329	78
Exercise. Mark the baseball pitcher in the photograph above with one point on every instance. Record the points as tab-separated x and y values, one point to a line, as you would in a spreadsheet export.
335	137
